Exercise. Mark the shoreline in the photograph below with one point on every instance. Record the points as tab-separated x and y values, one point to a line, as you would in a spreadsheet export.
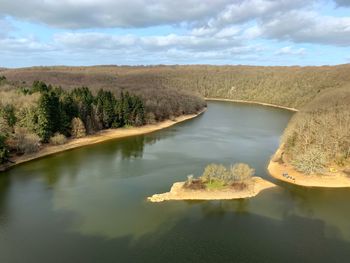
177	192
101	136
254	102
276	170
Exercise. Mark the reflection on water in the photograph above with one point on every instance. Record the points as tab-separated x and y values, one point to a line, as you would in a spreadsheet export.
89	204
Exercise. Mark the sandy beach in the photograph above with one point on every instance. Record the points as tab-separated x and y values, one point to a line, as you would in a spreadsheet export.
177	192
253	102
101	136
335	180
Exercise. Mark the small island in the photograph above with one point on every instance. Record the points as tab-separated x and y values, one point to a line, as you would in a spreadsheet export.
217	183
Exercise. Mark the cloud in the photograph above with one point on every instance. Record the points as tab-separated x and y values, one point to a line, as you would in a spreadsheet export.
195	31
290	51
308	27
75	14
5	28
151	43
343	2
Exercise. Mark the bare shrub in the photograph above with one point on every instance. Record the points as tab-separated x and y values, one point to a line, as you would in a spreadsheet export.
25	141
58	139
78	128
241	172
311	161
214	171
4	127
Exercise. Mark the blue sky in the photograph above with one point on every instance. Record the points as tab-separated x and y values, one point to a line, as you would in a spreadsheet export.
135	32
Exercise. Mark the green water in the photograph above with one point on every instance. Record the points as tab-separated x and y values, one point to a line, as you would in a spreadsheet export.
89	204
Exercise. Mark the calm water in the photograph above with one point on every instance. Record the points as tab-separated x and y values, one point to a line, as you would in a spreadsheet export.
88	204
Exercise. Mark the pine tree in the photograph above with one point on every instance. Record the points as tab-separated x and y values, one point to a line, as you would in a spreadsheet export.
4	152
48	115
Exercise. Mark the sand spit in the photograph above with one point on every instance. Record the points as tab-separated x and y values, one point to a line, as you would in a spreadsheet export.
333	180
253	102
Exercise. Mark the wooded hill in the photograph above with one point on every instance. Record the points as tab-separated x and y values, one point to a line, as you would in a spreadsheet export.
319	131
286	86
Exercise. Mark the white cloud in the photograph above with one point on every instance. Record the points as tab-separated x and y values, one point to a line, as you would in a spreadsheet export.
290	51
308	27
111	13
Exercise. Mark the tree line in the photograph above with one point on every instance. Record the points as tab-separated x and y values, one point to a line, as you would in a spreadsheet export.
57	114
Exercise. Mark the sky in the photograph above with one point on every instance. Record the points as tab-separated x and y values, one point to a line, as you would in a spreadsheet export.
151	32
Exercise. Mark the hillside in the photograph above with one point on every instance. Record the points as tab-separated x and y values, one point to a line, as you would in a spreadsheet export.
286	86
316	137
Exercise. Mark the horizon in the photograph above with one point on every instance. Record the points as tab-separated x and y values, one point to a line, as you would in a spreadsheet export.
142	33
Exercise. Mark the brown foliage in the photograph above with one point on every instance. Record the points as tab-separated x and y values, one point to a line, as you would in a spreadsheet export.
319	134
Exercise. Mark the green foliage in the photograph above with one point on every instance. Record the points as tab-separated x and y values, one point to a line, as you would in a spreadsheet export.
105	104
84	99
216	176
8	113
48	115
40	86
4	152
215	185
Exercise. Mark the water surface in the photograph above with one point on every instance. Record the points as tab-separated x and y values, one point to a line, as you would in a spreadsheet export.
89	204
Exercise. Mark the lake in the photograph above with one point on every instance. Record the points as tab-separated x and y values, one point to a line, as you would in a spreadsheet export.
89	204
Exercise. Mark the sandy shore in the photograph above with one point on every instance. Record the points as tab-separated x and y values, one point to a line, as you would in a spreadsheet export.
334	180
101	136
253	102
177	192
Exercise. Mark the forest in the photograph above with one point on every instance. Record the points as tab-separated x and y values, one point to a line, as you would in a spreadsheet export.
41	113
317	136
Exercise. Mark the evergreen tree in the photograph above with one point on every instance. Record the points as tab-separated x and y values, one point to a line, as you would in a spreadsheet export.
8	113
48	115
105	103
4	152
39	86
68	110
84	100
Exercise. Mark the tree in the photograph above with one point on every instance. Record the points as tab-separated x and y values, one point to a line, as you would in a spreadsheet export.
4	127
84	100
8	113
40	86
68	110
241	172
214	172
78	128
105	103
4	152
26	141
48	115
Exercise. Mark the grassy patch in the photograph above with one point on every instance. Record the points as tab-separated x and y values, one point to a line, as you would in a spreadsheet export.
215	185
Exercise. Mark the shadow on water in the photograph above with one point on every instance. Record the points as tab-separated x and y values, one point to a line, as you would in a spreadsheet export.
222	235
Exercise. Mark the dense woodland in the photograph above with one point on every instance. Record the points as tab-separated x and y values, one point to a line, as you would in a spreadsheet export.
318	132
41	113
287	86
